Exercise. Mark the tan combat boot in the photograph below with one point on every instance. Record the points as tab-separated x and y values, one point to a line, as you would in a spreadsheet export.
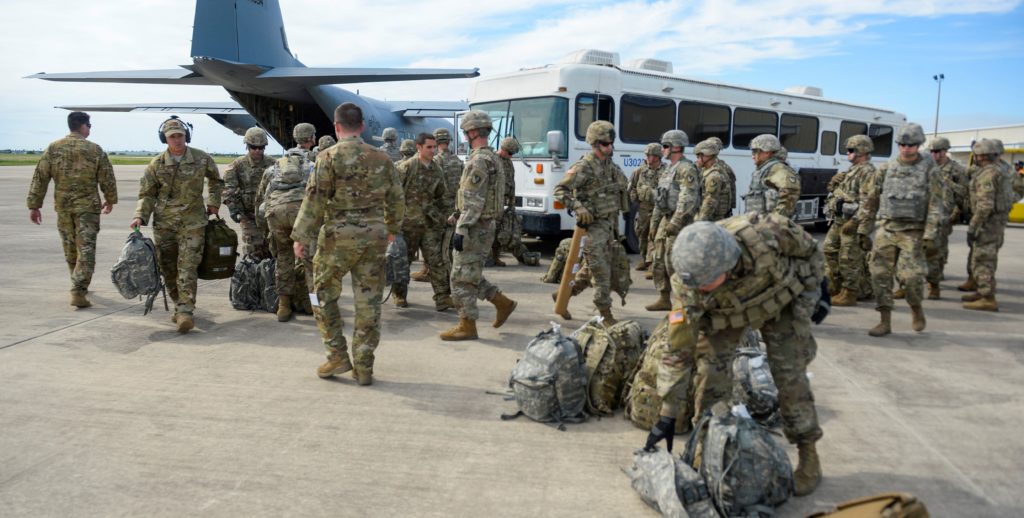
884	327
918	322
503	306
174	317
400	301
662	304
970	297
444	304
465	330
968	285
185	322
983	304
336	364
899	294
642	266
363	377
807	475
78	300
284	308
421	276
649	274
933	291
608	319
845	298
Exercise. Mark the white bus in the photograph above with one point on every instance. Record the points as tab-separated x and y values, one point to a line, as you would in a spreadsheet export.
549	108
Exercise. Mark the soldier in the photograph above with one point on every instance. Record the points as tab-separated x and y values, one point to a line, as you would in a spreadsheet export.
509	234
678	204
389	147
905	196
595	188
325	142
171	191
241	179
774	186
955	185
479	200
992	197
716	196
407	149
77	167
304	134
426	202
452	168
356	195
845	261
280	193
756	270
643	186
728	170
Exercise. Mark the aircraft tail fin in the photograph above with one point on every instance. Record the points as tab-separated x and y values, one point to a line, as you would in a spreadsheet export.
241	31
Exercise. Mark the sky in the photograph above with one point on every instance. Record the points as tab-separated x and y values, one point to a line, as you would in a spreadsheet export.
881	53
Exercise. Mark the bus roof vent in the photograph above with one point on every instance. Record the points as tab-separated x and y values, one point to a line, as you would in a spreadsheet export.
805	90
654	65
592	57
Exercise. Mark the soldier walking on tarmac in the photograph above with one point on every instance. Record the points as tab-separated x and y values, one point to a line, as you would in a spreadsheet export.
992	197
241	179
390	148
845	261
955	185
509	233
643	186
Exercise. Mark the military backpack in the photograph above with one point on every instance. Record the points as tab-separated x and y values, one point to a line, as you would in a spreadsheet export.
753	385
641	401
611	354
670	486
244	292
554	273
549	383
220	247
396	262
136	272
266	273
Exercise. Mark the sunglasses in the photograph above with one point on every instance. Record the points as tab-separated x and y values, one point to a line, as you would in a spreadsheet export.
260	148
851	150
755	151
909	145
88	124
938	150
604	143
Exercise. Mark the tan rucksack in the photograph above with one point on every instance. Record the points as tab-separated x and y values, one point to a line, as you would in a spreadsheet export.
885	505
641	402
611	354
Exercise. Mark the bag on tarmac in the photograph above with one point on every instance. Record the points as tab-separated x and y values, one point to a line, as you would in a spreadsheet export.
670	486
554	273
753	385
267	284
136	272
220	250
641	401
620	281
245	293
611	354
747	471
885	505
549	383
396	262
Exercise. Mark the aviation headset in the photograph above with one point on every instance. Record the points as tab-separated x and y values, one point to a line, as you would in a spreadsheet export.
188	129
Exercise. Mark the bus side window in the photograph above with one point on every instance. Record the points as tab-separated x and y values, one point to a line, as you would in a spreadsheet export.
828	143
748	124
591	107
848	129
881	137
702	121
799	133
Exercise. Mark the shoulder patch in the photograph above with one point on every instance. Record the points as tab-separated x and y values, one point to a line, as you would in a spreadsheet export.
677	317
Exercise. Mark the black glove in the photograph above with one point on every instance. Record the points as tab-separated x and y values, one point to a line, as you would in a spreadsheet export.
236	216
839	206
457	242
665	429
824	306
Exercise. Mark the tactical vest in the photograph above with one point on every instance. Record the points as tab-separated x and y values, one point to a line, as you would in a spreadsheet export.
288	179
1006	197
667	194
760	197
905	192
494	196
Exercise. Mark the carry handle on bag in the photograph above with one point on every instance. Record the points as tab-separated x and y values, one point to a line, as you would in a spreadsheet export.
220	249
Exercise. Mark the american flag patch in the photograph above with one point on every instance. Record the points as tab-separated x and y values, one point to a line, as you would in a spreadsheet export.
677	317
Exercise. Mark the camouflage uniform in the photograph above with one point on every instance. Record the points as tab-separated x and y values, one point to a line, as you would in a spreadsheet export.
685	176
353	201
76	167
845	260
241	179
599	186
955	186
774	187
509	232
717	196
281	199
643	186
391	150
171	192
992	198
479	200
407	149
426	195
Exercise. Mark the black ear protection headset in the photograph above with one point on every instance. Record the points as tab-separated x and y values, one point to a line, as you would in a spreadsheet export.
188	129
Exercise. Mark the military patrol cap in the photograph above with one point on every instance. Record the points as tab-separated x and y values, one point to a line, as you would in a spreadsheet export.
303	131
600	131
986	147
707	147
442	135
939	144
173	127
325	142
389	134
475	119
703	251
910	133
255	137
510	145
766	142
675	138
861	143
652	149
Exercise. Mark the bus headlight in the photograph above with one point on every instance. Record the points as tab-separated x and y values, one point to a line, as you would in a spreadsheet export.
532	202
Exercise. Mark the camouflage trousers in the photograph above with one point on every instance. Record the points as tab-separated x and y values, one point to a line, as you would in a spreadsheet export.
598	254
78	237
467	277
292	276
359	250
642	227
661	267
428	241
937	256
985	257
897	253
508	236
253	237
845	261
178	252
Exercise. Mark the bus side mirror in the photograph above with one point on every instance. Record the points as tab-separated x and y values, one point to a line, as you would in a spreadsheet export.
555	141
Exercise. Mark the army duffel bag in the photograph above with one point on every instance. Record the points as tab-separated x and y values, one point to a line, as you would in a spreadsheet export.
670	485
611	354
220	250
244	292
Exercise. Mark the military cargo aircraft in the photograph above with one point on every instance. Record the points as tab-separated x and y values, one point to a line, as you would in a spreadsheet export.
241	46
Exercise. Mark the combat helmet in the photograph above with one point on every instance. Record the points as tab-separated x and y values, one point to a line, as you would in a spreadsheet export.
255	137
475	119
652	149
910	133
407	148
600	131
999	146
939	144
325	142
703	251
861	143
782	154
442	136
707	147
510	145
389	135
766	142
303	132
675	138
986	146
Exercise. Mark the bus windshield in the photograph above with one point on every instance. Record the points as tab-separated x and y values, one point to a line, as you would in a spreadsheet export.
529	121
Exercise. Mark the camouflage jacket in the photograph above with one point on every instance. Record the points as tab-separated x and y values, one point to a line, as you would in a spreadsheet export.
76	167
644	184
687	177
598	185
241	181
988	195
481	190
509	171
354	185
774	187
172	192
732	182
715	203
392	151
848	190
872	192
452	168
957	184
426	193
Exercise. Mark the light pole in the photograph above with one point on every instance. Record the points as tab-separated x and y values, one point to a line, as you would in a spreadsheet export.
938	79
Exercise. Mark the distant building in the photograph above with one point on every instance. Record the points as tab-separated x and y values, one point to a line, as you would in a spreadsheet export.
1012	136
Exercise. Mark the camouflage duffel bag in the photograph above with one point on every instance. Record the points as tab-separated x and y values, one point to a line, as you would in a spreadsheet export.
611	354
244	291
396	262
753	385
136	272
220	248
267	277
640	394
549	383
670	485
554	273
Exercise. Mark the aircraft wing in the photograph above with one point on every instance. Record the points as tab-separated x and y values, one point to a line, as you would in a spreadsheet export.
334	76
168	76
445	109
208	108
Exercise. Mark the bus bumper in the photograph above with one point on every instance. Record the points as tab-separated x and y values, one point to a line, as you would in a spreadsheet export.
540	224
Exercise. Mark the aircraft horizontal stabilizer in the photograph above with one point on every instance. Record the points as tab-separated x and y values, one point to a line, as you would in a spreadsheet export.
331	76
169	76
444	109
207	108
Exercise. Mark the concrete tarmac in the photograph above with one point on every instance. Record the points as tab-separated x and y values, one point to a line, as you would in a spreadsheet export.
106	412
